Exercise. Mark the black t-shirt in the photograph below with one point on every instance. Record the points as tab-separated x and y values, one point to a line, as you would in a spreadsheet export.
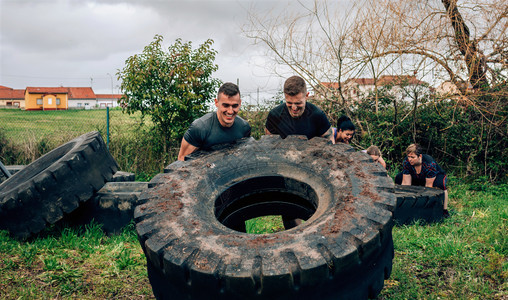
312	123
207	131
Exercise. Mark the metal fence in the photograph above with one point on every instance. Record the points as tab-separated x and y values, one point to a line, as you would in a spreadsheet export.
26	135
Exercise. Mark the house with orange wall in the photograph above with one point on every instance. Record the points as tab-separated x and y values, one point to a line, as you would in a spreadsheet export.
46	98
55	98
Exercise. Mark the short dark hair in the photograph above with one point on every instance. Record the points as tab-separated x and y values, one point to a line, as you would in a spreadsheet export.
345	123
295	85
229	89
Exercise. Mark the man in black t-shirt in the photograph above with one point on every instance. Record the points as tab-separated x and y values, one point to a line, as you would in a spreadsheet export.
222	126
296	116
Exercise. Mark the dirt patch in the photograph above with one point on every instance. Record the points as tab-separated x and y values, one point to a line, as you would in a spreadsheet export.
345	211
170	198
367	192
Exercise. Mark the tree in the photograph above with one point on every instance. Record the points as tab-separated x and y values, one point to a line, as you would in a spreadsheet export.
464	42
171	87
461	41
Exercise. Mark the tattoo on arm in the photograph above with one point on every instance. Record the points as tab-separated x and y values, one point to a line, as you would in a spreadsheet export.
328	134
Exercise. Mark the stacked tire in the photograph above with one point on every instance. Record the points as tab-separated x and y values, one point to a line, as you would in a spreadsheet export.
418	203
54	185
191	223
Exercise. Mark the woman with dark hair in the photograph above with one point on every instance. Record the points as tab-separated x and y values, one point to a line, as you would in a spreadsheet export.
345	130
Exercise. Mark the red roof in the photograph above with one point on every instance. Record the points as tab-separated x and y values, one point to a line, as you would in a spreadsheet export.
47	90
388	79
4	87
81	93
108	96
8	93
361	81
331	85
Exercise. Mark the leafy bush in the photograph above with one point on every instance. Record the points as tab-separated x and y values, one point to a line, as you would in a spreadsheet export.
467	136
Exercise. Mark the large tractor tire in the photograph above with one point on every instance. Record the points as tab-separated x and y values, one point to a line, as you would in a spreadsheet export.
418	203
191	223
55	184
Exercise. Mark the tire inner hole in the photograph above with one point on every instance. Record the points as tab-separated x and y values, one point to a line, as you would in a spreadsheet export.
272	195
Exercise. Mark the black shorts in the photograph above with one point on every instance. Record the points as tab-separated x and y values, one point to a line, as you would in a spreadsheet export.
439	182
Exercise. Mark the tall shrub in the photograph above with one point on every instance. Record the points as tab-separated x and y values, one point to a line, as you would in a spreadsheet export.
170	86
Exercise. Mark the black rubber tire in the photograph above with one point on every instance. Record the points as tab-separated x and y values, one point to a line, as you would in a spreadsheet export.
54	184
14	168
112	206
122	176
343	251
418	203
4	173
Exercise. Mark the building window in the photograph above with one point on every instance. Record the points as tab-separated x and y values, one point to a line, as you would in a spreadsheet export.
50	101
39	101
79	104
57	101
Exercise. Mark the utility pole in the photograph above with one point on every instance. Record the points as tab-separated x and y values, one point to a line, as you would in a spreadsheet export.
111	77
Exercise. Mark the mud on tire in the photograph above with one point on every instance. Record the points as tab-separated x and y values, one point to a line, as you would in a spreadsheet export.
418	203
54	184
190	223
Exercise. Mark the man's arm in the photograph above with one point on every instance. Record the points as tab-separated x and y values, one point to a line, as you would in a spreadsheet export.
267	132
406	179
329	135
185	149
429	182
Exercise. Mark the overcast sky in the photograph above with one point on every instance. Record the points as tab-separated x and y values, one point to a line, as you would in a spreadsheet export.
84	42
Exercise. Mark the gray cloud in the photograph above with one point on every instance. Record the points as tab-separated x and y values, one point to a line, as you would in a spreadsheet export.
58	42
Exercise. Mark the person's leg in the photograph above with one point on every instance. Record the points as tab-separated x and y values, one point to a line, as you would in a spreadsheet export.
440	183
290	222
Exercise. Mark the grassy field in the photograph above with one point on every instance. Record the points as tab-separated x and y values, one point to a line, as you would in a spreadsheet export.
463	257
19	125
26	135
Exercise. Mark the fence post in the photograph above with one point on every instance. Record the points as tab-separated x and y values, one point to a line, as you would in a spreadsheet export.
107	127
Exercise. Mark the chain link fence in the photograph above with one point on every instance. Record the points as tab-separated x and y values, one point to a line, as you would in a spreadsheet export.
26	135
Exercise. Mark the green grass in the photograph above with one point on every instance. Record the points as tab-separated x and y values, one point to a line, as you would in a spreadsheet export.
265	224
78	263
26	135
19	125
463	257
